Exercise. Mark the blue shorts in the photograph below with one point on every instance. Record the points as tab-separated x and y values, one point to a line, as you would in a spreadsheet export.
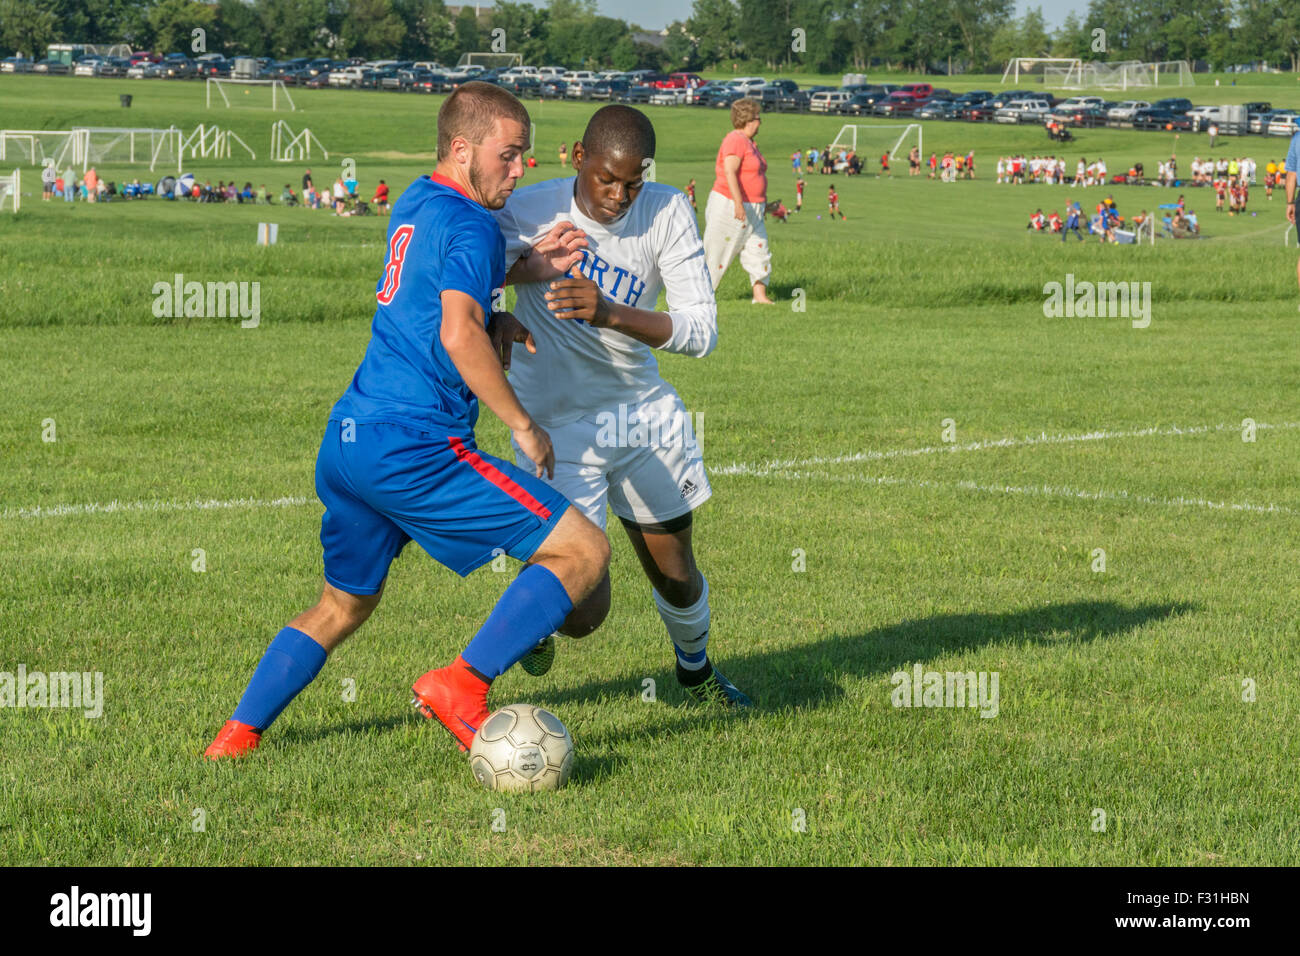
391	484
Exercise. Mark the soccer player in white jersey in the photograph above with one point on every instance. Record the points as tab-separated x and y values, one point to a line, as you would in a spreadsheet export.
591	253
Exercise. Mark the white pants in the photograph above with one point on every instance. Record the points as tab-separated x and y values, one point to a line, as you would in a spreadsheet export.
725	237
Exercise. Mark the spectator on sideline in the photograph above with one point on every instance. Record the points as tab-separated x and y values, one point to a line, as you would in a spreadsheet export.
733	215
381	198
306	182
287	197
690	193
564	156
69	184
49	175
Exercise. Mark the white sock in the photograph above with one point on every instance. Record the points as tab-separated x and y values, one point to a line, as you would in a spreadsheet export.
688	627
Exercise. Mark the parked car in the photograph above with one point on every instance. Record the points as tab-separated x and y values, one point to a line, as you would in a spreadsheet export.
1177	104
669	97
581	89
15	64
1258	122
749	85
1283	123
1078	102
52	66
701	95
863	103
1007	97
971	98
348	76
115	66
177	66
573	76
1123	112
934	108
88	66
898	103
828	101
1089	114
553	87
1023	111
1154	117
917	91
522	85
610	89
679	81
320	81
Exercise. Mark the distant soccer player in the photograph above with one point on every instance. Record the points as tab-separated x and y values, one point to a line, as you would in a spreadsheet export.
399	462
623	437
833	199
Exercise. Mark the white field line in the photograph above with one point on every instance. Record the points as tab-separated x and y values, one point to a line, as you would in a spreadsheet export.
1040	491
792	469
771	467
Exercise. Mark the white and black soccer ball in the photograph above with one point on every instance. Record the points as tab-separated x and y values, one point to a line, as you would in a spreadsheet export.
522	747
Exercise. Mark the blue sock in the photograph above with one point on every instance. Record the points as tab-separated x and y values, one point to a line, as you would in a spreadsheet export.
533	606
291	663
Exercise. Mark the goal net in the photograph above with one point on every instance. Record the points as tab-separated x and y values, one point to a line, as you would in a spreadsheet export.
870	142
37	147
106	145
1036	69
248	94
491	61
1119	75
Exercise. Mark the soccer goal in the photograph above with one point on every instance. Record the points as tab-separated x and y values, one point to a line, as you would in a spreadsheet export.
1038	68
39	147
868	140
212	142
491	61
290	147
1119	75
251	94
128	145
11	189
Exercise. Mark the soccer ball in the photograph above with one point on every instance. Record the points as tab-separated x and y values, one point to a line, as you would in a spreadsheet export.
522	747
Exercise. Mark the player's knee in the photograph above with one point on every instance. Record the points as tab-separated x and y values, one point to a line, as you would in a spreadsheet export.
590	613
681	589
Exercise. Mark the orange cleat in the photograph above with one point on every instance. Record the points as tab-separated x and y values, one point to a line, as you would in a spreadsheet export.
234	740
455	696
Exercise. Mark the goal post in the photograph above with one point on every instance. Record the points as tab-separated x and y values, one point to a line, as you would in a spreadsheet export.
1038	67
890	138
491	61
11	189
221	84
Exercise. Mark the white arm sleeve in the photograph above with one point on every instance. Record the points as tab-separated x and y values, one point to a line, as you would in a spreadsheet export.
687	285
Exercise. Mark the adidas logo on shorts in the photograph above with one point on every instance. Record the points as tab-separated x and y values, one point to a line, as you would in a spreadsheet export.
687	488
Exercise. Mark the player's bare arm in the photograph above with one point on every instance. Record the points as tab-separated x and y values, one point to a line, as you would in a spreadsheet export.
470	349
551	256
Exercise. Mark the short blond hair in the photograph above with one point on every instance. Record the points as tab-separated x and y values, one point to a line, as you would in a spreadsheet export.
472	111
745	110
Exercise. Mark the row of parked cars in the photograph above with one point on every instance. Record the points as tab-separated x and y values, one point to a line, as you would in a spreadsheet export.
920	100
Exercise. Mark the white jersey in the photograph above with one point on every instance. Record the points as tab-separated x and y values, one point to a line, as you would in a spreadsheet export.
579	370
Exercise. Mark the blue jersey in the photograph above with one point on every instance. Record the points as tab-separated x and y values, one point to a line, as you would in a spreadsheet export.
438	239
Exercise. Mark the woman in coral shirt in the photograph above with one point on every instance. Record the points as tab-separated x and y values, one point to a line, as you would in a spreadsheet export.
733	216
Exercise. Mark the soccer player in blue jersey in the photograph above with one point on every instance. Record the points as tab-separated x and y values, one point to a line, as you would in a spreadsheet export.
399	461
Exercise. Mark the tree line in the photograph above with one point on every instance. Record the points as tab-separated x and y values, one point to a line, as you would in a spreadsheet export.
824	36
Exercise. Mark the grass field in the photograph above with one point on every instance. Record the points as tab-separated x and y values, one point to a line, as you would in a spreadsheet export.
1158	691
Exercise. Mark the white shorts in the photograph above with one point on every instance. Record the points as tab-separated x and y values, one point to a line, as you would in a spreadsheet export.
643	459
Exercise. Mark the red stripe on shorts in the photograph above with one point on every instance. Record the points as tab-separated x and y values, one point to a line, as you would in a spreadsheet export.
500	479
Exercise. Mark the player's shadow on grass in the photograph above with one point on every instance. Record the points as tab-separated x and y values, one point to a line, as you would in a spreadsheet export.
809	675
